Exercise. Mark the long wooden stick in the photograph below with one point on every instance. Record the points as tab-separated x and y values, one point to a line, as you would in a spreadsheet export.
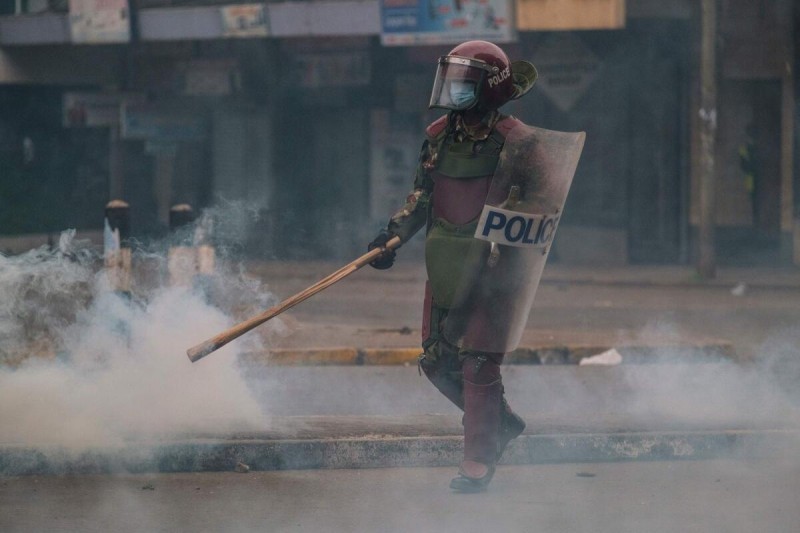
215	343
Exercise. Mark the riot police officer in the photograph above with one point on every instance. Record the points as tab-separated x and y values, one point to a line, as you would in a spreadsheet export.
453	177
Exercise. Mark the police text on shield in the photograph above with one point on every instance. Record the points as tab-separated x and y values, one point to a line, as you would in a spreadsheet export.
514	228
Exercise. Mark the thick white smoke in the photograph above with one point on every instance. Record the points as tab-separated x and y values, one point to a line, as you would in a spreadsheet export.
86	367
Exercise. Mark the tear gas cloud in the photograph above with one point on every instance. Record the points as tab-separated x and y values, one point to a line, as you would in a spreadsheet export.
114	367
673	389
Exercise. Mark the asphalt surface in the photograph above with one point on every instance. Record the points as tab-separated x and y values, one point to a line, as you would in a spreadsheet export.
756	311
734	496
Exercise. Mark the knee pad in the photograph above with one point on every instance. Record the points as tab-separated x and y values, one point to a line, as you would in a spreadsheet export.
427	365
439	356
440	364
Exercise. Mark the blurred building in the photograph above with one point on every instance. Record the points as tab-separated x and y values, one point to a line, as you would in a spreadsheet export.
309	114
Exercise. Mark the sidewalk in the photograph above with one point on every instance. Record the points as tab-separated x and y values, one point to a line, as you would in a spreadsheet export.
364	345
340	326
372	417
327	442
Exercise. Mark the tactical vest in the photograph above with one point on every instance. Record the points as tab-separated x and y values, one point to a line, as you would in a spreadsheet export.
462	174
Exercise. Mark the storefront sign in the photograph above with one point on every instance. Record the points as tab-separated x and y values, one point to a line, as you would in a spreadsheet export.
415	22
570	14
211	77
334	69
245	20
161	124
99	21
566	67
95	110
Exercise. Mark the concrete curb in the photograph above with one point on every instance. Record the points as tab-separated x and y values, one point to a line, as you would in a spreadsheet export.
378	452
529	355
749	284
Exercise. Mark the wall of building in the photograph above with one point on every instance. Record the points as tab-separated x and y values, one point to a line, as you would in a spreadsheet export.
317	124
755	88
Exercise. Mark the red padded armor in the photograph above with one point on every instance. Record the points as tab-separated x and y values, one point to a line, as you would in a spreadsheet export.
436	127
504	126
459	201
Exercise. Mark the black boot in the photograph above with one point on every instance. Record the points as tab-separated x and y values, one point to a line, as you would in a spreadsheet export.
468	481
511	427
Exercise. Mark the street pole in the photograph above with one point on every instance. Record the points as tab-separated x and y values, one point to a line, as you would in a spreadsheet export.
116	167
182	255
796	132
706	266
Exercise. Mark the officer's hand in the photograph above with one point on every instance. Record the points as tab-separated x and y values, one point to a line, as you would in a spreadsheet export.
386	259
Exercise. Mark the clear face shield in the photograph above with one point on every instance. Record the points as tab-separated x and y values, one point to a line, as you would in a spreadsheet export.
458	82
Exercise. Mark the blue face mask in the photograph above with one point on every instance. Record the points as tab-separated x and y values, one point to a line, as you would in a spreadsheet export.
462	92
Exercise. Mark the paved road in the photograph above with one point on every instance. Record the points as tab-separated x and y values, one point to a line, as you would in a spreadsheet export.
759	322
652	497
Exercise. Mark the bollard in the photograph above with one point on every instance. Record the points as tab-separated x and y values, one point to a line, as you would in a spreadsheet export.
204	281
204	241
181	257
116	246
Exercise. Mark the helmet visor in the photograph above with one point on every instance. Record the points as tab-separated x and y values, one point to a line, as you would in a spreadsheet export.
457	84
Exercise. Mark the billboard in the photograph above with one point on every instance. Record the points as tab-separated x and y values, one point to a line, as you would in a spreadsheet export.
430	22
565	15
245	20
99	21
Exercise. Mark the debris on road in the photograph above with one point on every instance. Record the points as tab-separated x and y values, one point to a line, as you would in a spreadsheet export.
242	468
739	289
608	358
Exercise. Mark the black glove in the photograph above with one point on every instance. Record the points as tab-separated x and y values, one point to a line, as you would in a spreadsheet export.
386	259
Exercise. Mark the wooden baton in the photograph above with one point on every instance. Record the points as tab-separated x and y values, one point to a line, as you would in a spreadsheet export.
196	353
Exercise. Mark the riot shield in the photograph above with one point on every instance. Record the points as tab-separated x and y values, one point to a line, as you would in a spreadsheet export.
513	237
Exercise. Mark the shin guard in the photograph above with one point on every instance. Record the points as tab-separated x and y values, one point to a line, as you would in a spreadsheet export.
483	394
481	421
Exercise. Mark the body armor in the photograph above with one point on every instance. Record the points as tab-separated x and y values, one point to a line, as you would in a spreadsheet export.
471	173
490	307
